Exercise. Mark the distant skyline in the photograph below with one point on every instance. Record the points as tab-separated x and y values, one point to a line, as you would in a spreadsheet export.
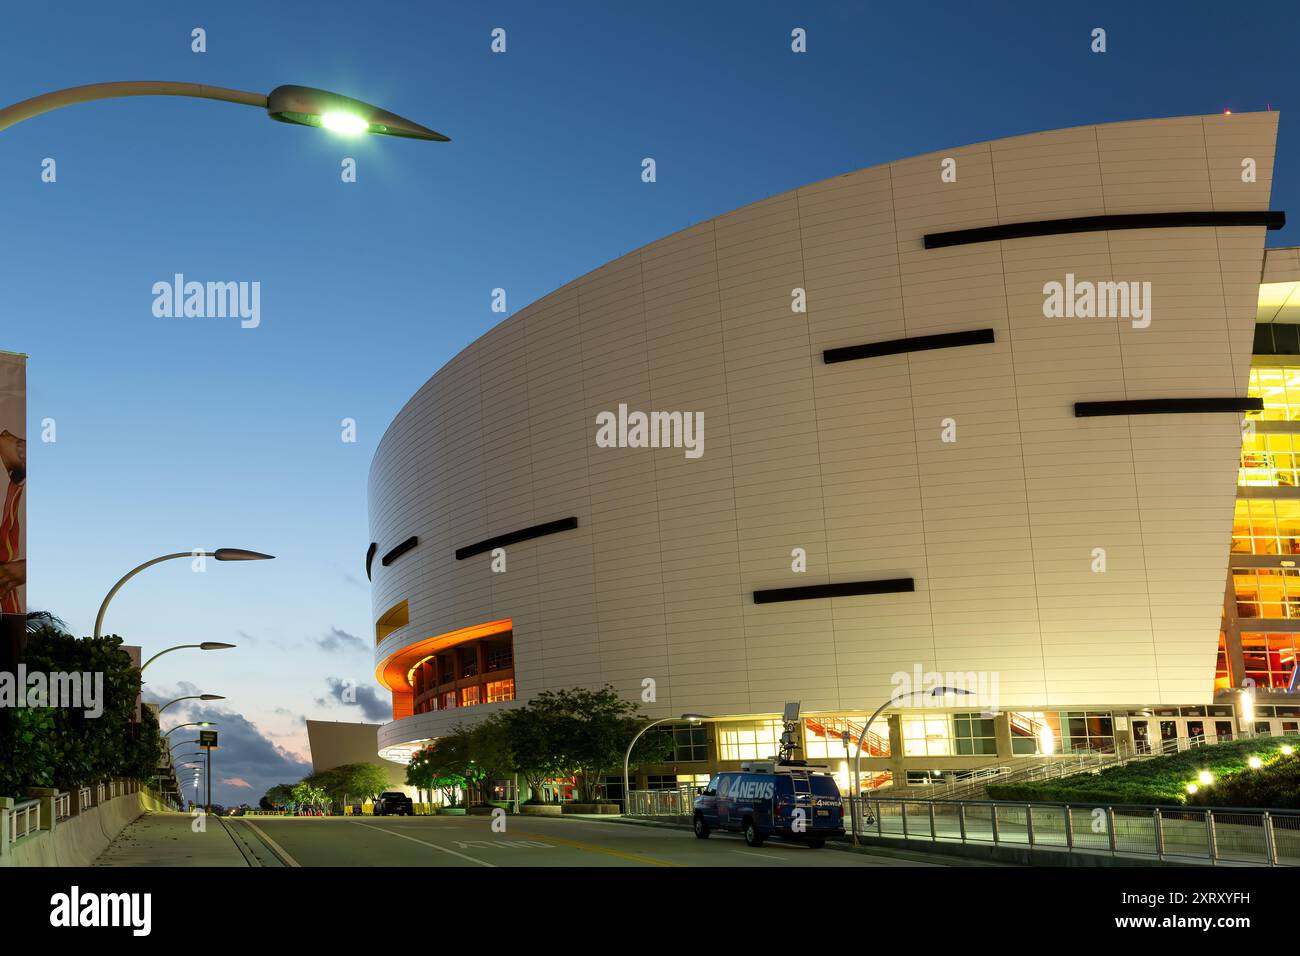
183	433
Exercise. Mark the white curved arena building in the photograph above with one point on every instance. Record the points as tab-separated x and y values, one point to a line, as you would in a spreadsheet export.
975	414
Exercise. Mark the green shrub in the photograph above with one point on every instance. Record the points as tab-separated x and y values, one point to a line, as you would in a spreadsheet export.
1163	780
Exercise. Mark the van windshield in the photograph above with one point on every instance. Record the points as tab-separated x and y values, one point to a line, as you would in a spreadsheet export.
824	787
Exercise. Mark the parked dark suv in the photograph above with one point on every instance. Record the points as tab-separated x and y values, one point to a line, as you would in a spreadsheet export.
393	803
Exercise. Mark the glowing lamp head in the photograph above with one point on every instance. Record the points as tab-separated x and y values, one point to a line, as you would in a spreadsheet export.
308	106
1205	777
1255	763
345	123
1192	788
1287	750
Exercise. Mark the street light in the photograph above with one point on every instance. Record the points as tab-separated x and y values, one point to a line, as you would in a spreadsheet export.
182	744
205	646
221	554
301	105
856	798
627	757
196	723
190	697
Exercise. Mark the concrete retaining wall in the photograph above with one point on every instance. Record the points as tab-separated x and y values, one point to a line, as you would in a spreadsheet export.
78	840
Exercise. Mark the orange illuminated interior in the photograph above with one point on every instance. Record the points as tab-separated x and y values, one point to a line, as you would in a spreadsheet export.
394	672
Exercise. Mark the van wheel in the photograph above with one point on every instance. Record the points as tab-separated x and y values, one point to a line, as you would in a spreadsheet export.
817	843
752	836
701	828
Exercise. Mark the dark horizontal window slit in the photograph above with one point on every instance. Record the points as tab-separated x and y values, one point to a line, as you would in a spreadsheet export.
1164	406
1271	218
917	343
840	589
514	537
370	557
400	550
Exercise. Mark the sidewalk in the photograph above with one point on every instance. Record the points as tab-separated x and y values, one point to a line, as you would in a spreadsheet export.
168	839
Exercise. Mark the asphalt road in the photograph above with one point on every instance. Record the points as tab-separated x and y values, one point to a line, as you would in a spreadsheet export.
527	841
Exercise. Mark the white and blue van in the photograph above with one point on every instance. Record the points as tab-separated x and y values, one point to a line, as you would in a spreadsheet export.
791	800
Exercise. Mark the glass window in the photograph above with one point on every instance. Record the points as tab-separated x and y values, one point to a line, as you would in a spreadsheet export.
500	690
927	735
1270	659
973	734
1088	730
1267	592
1034	732
469	696
749	739
1280	390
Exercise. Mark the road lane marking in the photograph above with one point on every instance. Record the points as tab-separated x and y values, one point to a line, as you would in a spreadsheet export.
442	849
596	848
278	850
762	856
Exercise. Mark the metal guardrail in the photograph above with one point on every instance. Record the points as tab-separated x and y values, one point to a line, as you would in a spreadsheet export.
1176	834
662	803
63	806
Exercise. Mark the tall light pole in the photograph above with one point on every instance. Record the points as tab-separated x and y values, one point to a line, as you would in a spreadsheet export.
221	554
303	105
627	757
190	697
856	802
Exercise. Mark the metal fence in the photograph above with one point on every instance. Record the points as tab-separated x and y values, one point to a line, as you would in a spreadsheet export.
674	803
1176	834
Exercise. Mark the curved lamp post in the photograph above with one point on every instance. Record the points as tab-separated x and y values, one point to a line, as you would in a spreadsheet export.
302	105
190	697
182	744
857	763
221	554
627	757
205	646
195	723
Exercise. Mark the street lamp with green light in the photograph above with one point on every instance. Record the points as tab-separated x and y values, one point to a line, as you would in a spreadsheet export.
300	105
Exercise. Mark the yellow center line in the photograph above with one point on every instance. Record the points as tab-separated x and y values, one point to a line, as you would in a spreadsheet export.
596	848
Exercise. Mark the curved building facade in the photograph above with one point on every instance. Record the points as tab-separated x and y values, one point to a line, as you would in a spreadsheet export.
972	413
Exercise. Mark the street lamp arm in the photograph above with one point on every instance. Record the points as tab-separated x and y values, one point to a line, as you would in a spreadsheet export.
99	619
627	759
178	647
105	91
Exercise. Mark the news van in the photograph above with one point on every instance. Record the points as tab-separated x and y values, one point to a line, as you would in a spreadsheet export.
793	800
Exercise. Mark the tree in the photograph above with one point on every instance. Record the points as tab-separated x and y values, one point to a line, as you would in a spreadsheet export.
66	747
435	768
351	780
532	744
578	732
278	796
307	794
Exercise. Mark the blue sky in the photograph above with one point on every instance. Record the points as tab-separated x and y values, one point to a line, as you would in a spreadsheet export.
182	433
